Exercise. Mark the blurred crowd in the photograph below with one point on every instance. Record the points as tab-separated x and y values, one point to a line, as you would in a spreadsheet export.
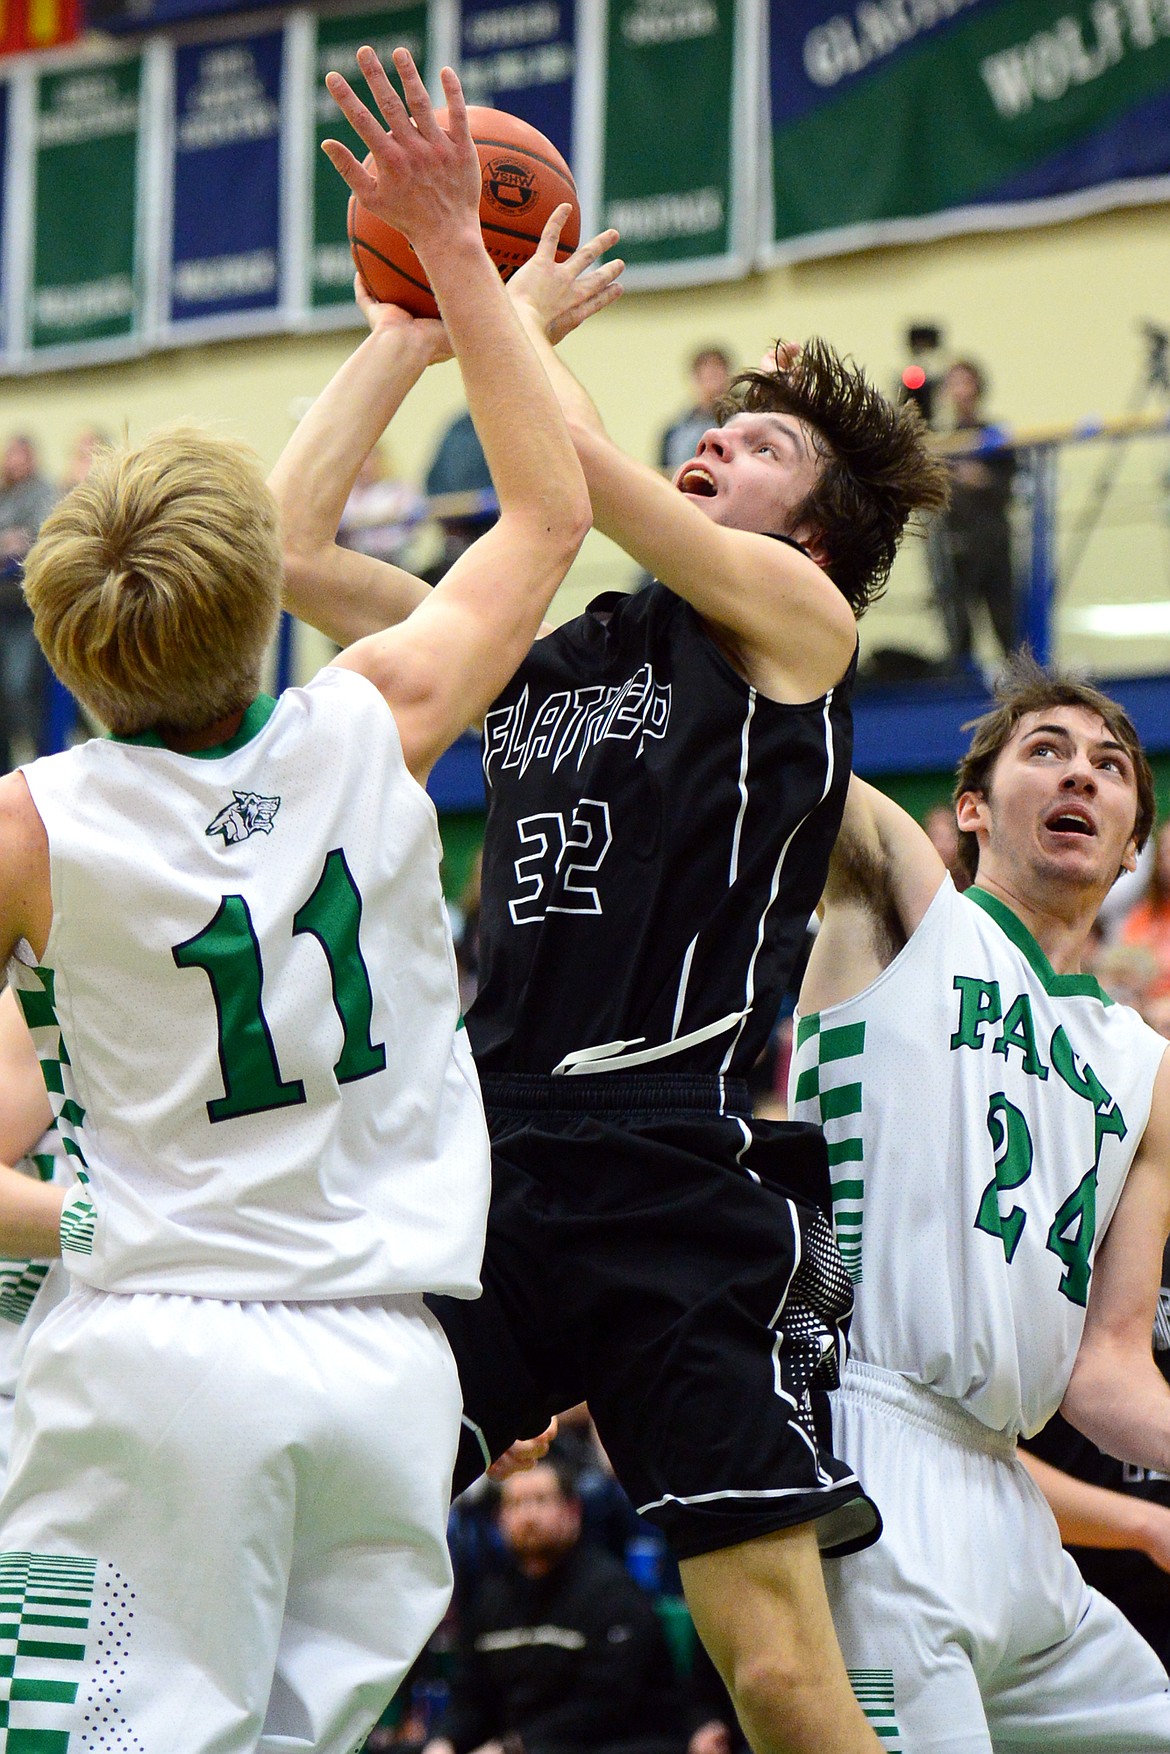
567	1631
27	496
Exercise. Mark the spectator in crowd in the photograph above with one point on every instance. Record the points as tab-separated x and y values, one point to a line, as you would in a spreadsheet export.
560	1651
458	467
1148	921
710	370
970	546
942	831
26	499
382	512
1127	972
90	440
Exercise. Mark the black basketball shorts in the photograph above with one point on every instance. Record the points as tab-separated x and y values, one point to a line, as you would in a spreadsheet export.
672	1265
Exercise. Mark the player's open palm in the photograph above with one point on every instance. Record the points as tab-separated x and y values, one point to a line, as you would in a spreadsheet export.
562	294
420	177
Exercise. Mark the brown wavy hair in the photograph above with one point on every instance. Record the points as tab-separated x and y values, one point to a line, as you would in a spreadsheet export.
1023	687
876	470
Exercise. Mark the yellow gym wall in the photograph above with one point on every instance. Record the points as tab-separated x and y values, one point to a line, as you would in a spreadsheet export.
1052	312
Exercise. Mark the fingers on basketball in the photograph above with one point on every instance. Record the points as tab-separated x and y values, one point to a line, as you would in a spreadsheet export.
523	180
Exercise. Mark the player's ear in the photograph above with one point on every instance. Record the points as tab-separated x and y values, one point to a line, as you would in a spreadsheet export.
1129	857
970	811
812	540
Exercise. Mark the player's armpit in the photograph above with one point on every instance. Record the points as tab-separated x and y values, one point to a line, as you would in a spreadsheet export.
883	875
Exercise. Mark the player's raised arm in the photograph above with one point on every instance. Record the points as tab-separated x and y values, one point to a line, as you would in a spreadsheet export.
1116	1395
883	875
810	452
343	593
444	667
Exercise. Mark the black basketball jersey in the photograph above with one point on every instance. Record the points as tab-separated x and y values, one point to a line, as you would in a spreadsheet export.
657	836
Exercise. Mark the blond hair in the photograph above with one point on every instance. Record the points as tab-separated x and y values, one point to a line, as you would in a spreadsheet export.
155	584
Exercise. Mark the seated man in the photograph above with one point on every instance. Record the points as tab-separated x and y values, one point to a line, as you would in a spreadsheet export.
560	1651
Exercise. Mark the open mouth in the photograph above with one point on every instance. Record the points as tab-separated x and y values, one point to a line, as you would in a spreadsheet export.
696	481
1070	822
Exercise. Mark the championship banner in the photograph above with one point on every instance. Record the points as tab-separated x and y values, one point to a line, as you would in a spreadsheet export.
226	211
522	59
86	277
667	180
904	119
338	40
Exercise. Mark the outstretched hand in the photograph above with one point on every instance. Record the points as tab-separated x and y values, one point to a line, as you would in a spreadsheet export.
562	294
423	179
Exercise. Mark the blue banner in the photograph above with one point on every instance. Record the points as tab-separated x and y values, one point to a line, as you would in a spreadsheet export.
226	225
142	15
522	59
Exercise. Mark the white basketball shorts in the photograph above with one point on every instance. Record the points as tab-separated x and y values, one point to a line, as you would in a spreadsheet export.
225	1523
967	1627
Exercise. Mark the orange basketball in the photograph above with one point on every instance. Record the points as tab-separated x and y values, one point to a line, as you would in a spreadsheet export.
524	178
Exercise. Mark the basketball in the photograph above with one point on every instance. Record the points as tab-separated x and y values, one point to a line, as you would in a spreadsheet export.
524	178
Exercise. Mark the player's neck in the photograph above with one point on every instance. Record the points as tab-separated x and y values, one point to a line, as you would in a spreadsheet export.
208	737
1060	921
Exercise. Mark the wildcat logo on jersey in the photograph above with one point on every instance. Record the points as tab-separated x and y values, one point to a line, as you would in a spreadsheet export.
247	814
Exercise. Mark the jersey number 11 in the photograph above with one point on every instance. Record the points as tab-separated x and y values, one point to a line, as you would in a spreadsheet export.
228	951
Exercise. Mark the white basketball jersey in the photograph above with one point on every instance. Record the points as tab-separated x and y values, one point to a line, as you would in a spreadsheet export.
981	1113
247	1012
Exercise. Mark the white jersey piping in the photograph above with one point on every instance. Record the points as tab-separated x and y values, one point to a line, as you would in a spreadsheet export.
749	993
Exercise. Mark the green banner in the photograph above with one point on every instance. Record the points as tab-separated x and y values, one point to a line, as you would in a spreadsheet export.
86	277
337	42
888	119
667	170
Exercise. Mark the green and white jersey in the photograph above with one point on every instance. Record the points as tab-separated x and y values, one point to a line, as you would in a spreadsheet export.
247	1012
981	1113
30	1289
